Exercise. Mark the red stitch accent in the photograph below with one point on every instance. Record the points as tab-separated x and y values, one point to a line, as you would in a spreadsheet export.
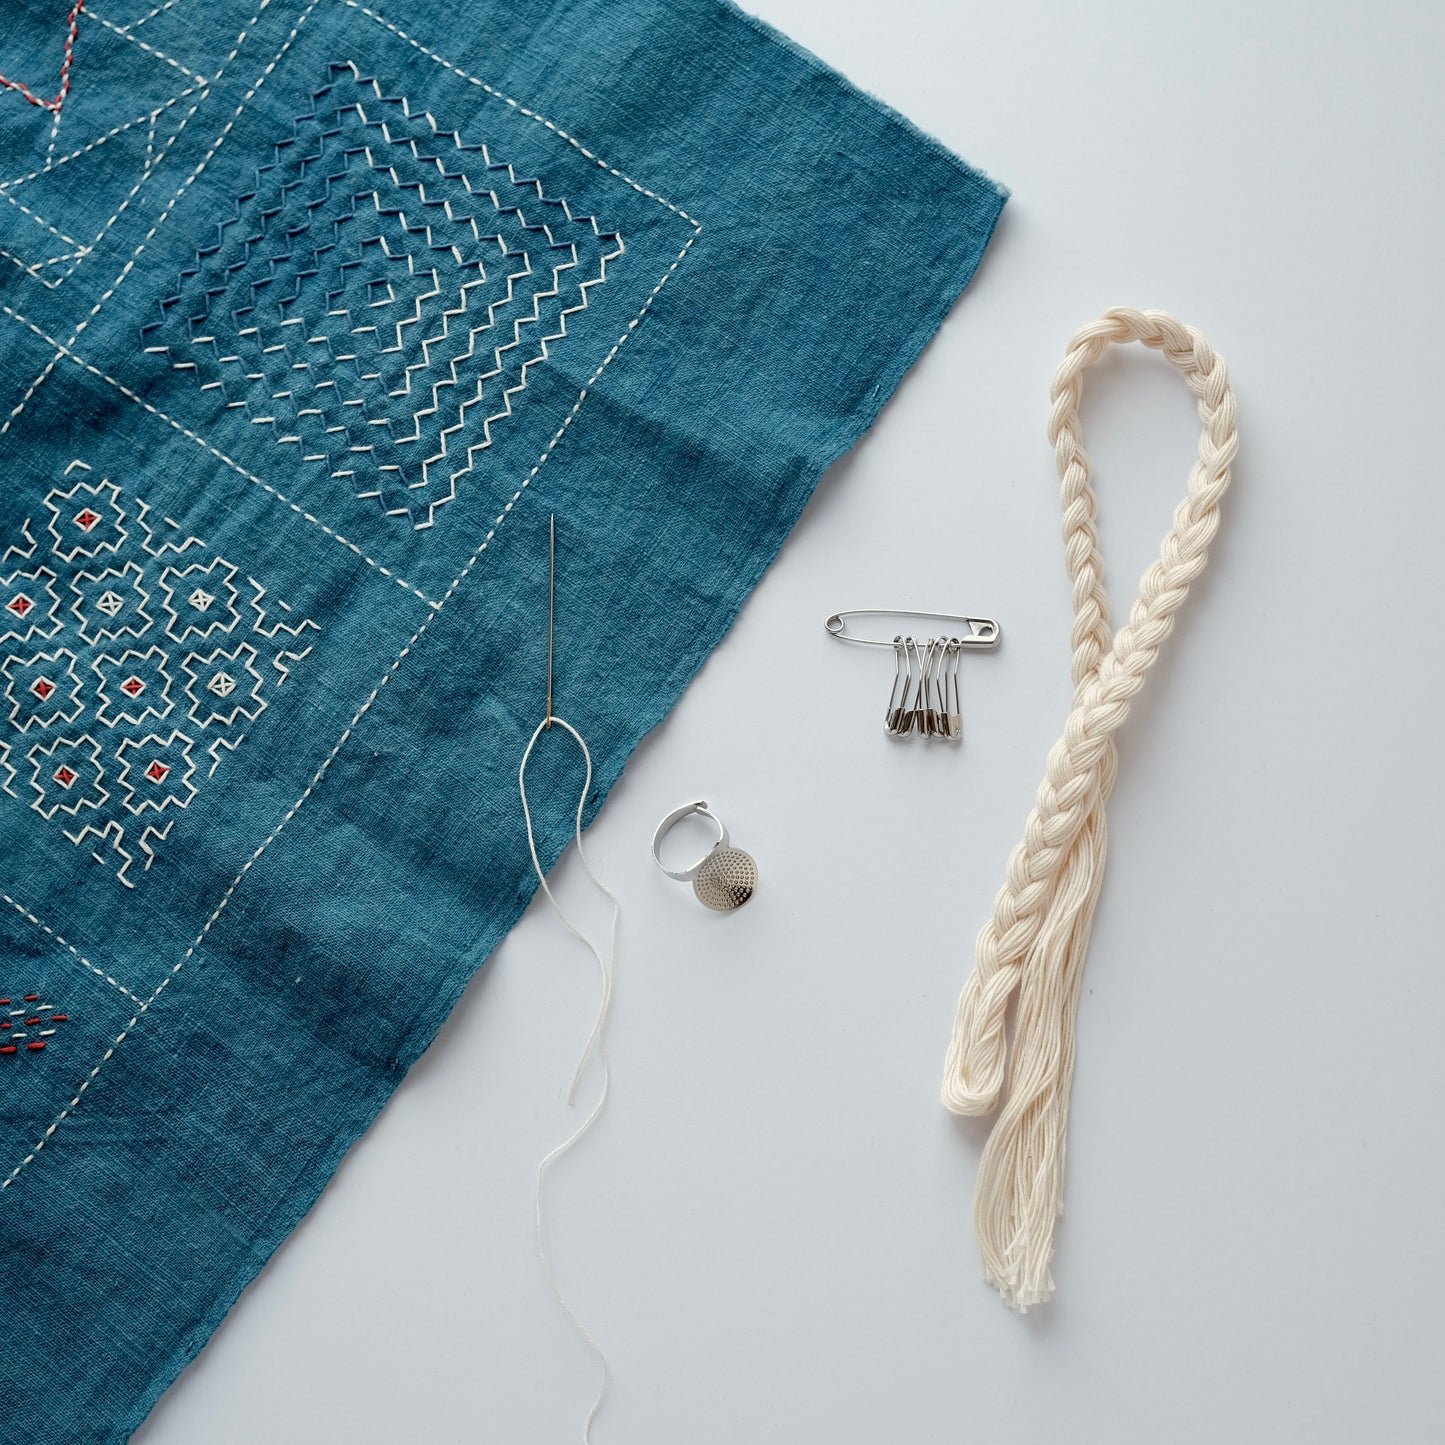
37	1018
19	604
72	25
31	998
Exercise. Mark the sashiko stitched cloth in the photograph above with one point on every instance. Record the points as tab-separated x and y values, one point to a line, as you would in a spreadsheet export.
311	314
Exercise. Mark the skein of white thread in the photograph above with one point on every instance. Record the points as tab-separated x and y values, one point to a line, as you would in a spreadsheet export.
596	1040
1038	936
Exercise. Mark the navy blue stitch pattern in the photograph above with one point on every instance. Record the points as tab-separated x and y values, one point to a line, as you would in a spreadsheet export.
380	296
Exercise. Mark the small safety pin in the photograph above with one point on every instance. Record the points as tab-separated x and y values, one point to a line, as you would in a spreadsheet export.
950	700
902	719
924	699
902	686
982	631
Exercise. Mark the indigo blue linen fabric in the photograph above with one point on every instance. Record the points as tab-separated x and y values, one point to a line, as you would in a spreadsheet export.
312	313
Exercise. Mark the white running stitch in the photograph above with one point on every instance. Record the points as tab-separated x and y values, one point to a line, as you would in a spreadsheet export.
180	190
291	812
42	222
45	928
205	160
52	165
36	384
124	32
80	361
63	349
160	9
54	135
521	109
153	159
351	726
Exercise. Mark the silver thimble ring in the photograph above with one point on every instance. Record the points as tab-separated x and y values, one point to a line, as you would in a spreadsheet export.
686	875
724	878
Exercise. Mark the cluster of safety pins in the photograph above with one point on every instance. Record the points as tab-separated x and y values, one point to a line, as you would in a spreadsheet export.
924	700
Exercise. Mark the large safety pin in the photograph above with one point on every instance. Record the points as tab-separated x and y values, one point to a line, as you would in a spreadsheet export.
981	631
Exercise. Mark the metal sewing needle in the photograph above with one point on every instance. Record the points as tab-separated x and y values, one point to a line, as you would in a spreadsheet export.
551	606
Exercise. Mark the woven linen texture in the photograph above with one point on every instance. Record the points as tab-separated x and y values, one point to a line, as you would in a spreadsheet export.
313	312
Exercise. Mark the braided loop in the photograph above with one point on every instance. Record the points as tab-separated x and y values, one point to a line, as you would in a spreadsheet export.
1037	938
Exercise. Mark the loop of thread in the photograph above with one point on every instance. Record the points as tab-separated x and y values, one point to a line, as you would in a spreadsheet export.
596	1040
1038	936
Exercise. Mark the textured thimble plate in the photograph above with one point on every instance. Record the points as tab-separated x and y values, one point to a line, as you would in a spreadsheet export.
726	880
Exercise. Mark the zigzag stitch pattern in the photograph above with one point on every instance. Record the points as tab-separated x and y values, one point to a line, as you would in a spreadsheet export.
307	377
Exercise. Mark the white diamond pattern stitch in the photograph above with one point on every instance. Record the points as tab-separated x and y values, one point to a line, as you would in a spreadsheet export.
120	709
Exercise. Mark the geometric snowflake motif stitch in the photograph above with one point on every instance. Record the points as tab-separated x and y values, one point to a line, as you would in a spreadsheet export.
91	720
225	685
67	776
28	606
200	599
155	771
86	521
132	686
43	689
111	603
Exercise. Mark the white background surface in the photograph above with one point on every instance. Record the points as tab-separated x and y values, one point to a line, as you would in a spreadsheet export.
771	1229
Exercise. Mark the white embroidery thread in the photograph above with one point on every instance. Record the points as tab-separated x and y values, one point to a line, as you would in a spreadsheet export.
104	777
65	350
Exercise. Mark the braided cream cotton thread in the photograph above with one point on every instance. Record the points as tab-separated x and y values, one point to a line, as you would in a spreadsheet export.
1038	935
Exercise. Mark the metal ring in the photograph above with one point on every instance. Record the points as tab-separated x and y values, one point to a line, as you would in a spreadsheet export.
686	875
